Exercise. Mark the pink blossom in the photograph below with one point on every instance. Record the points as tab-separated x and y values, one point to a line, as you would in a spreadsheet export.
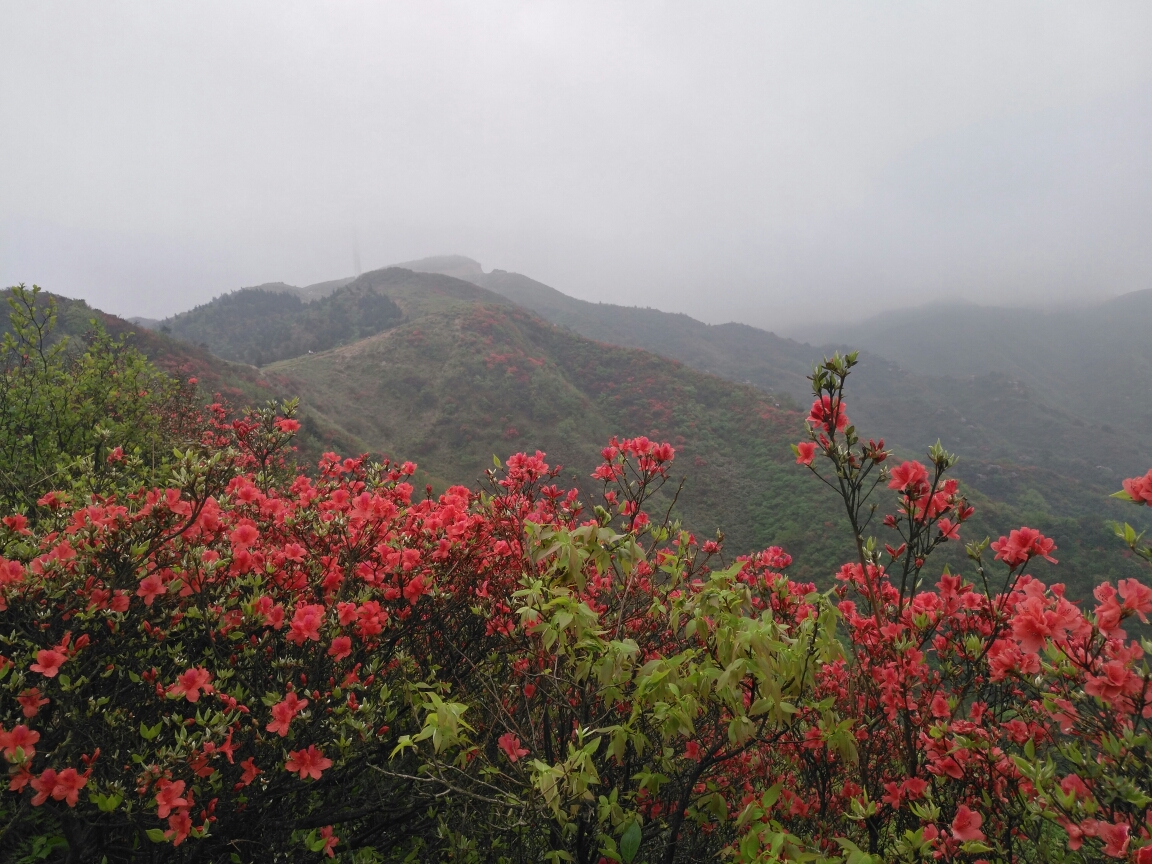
283	713
191	682
910	476
308	763
151	587
510	744
306	623
966	825
1022	544
169	797
48	662
340	648
30	701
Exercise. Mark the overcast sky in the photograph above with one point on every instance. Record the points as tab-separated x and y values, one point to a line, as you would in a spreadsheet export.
769	163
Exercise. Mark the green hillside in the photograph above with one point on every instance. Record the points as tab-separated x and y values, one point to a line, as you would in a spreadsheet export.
269	323
734	351
989	411
464	380
1021	453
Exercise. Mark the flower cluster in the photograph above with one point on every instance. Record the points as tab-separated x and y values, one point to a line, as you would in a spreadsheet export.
979	719
1139	489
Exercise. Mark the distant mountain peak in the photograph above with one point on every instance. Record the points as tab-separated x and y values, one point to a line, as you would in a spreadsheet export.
459	266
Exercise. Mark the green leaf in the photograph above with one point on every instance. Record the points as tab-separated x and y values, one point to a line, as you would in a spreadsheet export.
149	733
156	835
630	842
760	706
771	796
43	846
106	803
314	841
975	847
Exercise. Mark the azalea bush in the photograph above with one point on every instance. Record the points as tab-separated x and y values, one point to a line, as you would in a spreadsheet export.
641	683
219	656
993	719
237	663
222	661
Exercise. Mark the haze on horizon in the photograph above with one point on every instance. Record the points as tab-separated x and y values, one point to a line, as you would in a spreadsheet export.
760	162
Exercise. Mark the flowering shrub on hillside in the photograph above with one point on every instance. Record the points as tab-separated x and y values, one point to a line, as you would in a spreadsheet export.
227	652
641	683
246	662
992	718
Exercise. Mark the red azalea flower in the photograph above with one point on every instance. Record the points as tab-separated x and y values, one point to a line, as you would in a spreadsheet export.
284	711
340	648
805	452
966	825
48	662
827	415
179	826
308	763
306	623
169	797
30	701
21	738
191	682
330	840
911	477
250	771
510	744
68	785
44	784
151	587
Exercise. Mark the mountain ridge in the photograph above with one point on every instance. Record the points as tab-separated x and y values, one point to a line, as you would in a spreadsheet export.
1000	422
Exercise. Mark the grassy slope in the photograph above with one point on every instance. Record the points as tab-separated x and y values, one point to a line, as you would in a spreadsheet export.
733	351
983	412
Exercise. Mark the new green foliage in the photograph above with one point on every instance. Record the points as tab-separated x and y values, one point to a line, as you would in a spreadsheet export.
63	399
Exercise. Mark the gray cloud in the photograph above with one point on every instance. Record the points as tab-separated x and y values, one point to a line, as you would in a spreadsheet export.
761	162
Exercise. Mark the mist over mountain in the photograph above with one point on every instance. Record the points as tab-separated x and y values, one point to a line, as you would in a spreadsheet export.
766	164
1094	361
